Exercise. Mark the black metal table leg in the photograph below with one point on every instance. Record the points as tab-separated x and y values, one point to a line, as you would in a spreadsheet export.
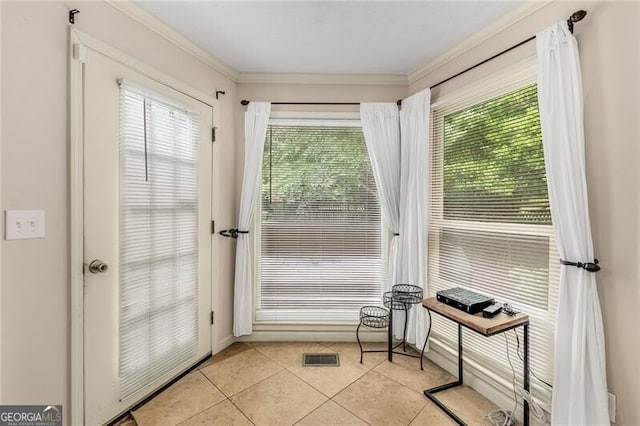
526	373
460	369
429	393
390	335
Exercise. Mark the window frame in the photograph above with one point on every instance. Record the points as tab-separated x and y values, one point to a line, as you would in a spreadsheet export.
500	84
347	119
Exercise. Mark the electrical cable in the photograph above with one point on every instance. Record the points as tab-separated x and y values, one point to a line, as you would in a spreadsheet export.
500	416
522	359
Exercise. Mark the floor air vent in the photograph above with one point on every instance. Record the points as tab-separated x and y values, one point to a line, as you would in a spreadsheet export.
320	360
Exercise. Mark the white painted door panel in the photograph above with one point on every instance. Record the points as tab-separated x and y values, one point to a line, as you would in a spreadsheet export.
103	397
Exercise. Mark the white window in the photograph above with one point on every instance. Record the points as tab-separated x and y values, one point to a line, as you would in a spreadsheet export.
490	228
158	237
320	234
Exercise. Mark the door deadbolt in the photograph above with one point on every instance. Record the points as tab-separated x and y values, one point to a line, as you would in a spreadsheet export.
98	266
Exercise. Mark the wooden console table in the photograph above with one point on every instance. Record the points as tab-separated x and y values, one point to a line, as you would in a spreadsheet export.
485	326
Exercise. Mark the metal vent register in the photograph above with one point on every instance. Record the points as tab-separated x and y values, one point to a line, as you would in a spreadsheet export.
320	360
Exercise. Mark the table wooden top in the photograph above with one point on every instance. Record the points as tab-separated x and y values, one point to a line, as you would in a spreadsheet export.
486	326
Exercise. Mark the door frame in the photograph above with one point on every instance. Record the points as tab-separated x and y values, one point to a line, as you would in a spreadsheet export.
80	47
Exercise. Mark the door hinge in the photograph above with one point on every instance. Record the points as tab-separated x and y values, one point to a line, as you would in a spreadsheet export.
213	226
80	53
213	134
212	317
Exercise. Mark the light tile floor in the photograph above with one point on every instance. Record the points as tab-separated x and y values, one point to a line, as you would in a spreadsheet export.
265	384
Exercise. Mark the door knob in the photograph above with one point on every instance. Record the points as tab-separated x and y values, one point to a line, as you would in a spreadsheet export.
98	266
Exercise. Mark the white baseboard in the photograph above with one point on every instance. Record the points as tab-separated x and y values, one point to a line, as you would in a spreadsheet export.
311	333
225	343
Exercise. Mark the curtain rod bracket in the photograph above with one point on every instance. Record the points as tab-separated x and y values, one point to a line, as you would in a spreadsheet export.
220	92
72	15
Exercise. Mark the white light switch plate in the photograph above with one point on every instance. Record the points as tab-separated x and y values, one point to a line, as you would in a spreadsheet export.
24	224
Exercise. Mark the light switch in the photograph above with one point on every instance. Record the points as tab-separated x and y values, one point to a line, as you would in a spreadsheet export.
24	224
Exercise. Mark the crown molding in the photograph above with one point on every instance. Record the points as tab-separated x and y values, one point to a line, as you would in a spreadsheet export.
152	23
303	78
478	38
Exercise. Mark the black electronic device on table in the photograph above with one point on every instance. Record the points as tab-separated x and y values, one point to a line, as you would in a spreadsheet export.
492	311
465	300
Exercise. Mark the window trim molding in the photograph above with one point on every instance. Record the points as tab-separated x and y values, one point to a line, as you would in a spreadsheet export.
479	90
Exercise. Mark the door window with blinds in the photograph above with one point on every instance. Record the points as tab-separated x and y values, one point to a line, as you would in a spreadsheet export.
158	237
320	234
490	228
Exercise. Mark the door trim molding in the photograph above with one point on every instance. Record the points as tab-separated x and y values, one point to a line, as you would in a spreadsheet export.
76	255
81	45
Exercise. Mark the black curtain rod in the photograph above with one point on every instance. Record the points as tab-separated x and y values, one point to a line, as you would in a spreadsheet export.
576	16
245	103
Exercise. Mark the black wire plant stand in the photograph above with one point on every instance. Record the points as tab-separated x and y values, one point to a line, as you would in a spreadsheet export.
402	297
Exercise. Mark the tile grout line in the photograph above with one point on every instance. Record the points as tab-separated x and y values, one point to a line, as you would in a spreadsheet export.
275	360
418	413
311	412
329	398
241	412
287	369
200	412
211	406
382	375
256	383
228	398
400	383
308	384
281	370
260	381
340	405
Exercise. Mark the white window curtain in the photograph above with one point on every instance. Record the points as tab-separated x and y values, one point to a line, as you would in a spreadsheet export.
381	128
580	385
414	190
256	120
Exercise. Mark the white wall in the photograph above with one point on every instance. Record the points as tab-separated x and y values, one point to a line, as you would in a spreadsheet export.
34	310
609	40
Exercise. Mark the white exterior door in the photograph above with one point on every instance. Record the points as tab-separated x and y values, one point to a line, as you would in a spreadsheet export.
147	235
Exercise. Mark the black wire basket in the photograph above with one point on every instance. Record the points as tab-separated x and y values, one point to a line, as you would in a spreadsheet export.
374	316
407	294
388	300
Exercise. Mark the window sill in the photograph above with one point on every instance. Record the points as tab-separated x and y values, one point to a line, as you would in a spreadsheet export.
312	331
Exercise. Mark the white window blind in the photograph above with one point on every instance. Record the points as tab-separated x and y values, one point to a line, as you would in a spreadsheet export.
490	228
320	231
158	237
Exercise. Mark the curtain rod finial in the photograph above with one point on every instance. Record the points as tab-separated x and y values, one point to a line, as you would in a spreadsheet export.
578	15
244	102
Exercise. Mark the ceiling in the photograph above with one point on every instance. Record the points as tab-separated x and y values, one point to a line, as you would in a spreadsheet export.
328	37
